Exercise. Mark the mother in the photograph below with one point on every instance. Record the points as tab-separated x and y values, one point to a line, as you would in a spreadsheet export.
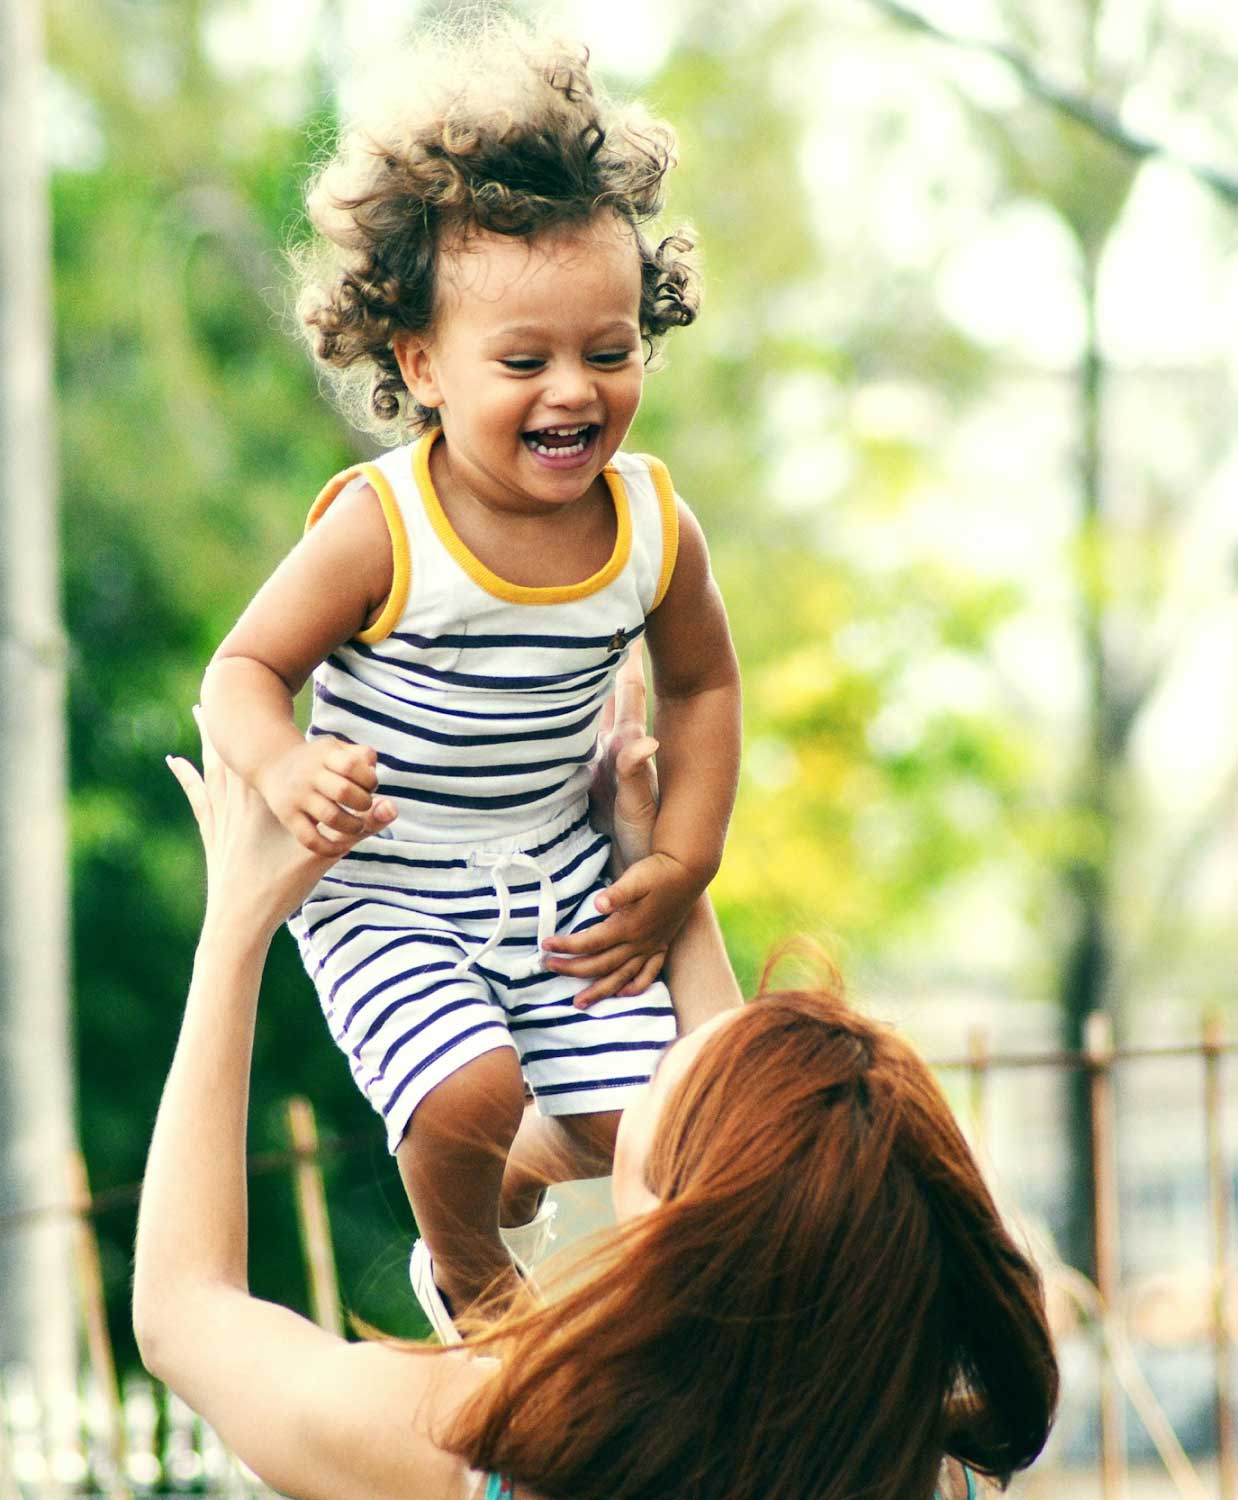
810	1295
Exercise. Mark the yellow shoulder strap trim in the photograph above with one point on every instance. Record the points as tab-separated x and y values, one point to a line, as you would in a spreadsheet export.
401	566
669	511
520	593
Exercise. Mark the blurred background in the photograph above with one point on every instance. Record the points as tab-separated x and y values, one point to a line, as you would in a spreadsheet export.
958	420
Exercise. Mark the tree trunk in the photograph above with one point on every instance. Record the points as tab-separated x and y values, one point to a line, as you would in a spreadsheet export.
1086	970
37	1313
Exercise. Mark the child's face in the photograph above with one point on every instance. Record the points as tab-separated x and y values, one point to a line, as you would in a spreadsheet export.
534	363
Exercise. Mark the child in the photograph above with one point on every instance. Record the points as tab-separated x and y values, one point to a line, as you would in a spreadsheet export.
464	604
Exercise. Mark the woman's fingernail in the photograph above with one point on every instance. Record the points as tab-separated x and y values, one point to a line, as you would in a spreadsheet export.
601	903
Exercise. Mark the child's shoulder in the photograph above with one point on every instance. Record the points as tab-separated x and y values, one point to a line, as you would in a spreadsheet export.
646	475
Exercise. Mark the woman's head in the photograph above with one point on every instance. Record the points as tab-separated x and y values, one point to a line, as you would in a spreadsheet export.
490	131
820	1300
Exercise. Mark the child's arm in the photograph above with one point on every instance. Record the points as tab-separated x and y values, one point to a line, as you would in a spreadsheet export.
697	724
325	591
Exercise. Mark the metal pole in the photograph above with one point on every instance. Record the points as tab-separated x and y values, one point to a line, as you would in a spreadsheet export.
1218	1192
1098	1051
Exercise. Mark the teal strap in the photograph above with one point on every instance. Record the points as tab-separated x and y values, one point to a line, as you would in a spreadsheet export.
498	1487
967	1475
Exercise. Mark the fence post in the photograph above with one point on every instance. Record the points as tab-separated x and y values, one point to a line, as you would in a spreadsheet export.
94	1320
1218	1192
312	1217
978	1080
1098	1055
8	1458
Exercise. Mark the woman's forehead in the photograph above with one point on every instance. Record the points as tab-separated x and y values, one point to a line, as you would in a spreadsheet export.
680	1054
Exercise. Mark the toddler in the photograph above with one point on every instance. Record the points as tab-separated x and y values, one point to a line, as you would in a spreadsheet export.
464	603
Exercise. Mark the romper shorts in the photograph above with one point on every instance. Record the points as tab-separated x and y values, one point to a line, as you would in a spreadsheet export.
425	956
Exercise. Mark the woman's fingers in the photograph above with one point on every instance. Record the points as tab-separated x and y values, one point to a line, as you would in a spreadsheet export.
211	763
635	755
191	784
630	698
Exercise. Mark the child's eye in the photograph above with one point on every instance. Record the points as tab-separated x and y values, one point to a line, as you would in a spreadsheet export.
522	365
611	357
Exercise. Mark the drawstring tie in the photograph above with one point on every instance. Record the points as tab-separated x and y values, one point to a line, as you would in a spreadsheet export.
500	865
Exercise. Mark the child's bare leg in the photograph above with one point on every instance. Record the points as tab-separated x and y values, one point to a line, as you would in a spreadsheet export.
550	1149
451	1161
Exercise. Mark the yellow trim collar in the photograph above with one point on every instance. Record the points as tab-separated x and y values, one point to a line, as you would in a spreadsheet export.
520	593
401	566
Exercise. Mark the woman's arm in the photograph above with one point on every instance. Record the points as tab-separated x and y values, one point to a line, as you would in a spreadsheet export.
313	1415
625	797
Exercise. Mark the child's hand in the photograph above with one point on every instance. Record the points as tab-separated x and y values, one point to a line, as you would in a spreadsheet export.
255	873
644	910
315	788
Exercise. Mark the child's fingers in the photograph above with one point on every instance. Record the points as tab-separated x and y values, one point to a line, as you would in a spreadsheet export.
380	812
344	792
630	887
595	939
613	984
305	831
355	763
649	971
322	810
593	965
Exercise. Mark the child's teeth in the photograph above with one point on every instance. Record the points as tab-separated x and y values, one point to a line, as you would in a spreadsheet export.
562	450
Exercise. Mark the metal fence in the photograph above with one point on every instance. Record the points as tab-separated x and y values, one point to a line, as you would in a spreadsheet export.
122	1440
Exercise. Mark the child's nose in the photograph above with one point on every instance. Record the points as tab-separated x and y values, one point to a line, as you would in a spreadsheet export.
571	386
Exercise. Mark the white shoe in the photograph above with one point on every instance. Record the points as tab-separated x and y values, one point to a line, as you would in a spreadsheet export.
530	1243
421	1274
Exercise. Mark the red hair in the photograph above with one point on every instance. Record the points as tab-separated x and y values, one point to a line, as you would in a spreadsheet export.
825	1304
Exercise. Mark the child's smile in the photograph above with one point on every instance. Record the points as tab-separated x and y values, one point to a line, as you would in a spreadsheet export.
563	446
534	363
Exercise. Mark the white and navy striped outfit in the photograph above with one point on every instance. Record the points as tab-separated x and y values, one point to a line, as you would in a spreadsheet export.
481	698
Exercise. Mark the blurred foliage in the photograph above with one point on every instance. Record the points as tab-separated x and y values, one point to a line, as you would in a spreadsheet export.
886	762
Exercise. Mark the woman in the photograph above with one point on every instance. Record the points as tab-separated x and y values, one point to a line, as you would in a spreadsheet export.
810	1295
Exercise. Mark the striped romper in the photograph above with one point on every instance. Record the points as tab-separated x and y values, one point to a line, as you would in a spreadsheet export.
482	699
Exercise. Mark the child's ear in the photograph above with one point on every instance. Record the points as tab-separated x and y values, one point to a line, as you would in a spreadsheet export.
416	363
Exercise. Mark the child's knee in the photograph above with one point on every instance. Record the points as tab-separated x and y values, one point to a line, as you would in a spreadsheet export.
478	1108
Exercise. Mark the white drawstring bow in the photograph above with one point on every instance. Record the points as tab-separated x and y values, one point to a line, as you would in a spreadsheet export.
499	866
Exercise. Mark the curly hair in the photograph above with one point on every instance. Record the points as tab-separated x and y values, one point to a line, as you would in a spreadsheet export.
493	129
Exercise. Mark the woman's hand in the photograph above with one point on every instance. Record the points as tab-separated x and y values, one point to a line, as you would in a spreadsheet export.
624	792
255	869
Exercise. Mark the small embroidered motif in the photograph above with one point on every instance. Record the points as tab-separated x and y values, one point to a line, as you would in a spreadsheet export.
618	641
